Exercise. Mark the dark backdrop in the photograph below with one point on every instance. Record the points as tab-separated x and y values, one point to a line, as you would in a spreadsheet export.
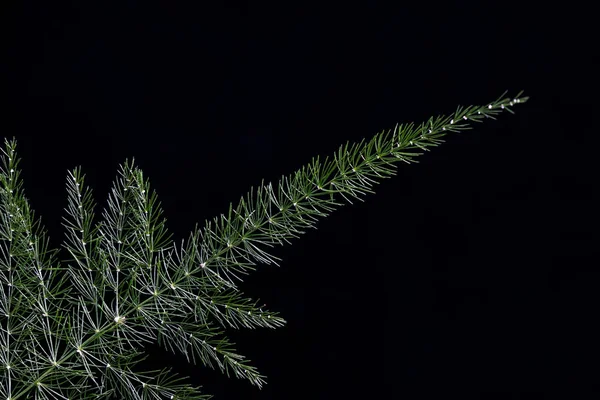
470	275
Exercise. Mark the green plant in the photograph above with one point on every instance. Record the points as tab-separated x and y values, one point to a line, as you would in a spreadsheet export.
72	330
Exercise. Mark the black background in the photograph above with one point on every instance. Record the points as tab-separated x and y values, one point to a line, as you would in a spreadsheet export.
471	275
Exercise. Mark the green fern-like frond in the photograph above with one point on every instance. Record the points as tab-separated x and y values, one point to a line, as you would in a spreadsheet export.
72	329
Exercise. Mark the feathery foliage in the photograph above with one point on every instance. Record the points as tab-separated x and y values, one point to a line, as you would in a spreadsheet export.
72	329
